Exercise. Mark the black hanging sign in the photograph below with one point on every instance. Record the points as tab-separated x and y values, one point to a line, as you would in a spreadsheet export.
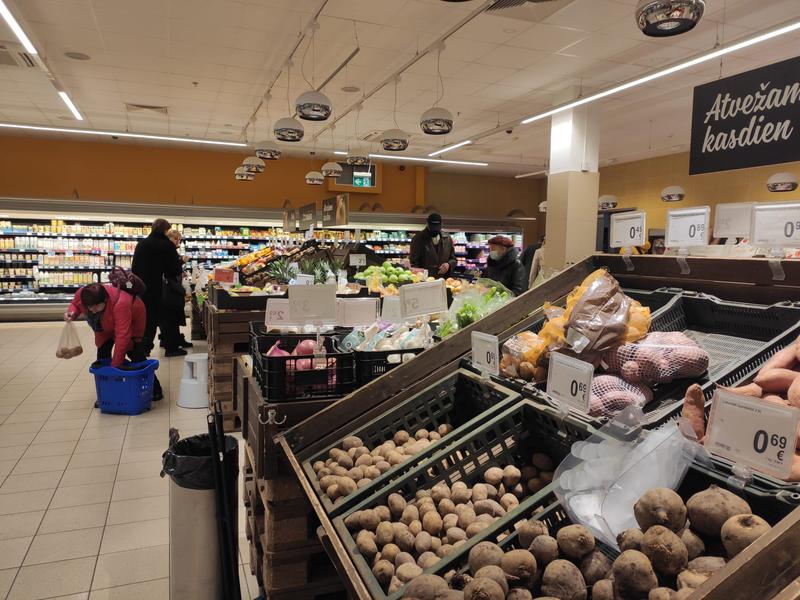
747	120
335	210
308	216
289	220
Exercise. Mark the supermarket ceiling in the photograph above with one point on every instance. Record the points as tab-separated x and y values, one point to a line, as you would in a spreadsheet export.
203	66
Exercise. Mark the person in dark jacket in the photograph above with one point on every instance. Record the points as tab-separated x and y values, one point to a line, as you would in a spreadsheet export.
433	250
154	257
504	266
171	312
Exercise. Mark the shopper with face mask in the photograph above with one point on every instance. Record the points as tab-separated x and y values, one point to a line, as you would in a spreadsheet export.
504	266
433	250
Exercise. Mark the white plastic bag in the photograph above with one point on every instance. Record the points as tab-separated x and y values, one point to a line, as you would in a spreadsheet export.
69	344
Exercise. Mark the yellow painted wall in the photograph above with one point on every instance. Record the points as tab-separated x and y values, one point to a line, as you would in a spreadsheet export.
639	184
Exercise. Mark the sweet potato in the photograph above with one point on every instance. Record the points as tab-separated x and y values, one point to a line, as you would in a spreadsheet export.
783	359
776	380
694	410
794	393
751	389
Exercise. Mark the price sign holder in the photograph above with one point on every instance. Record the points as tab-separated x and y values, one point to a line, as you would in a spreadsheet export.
686	228
313	304
303	279
390	310
752	433
486	354
356	312
426	298
733	219
277	313
569	382
776	226
358	260
627	229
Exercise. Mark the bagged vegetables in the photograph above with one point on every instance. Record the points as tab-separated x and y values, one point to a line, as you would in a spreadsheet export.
69	344
610	394
659	357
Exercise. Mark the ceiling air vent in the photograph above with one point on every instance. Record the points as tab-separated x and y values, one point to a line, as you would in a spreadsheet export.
502	4
372	136
161	110
12	55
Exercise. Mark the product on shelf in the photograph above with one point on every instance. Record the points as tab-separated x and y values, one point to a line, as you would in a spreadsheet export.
474	304
386	274
659	357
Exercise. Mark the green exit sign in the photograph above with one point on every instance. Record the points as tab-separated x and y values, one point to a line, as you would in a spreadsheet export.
362	182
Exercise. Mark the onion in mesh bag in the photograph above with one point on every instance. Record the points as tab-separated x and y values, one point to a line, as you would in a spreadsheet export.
610	394
659	357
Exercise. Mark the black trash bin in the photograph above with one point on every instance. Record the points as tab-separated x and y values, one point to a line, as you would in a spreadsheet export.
194	546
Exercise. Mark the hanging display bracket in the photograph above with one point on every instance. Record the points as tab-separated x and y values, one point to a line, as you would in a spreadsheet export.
775	265
740	476
682	262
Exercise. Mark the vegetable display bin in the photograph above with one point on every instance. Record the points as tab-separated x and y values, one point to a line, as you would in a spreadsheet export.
371	365
124	392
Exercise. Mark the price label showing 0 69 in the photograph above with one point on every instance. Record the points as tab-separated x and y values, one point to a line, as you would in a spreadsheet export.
757	434
485	353
627	229
569	381
776	225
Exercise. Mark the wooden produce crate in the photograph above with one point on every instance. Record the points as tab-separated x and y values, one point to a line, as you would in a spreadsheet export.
198	331
240	389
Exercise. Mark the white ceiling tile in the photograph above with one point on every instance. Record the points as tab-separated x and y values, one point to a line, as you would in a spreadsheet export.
599	46
511	57
548	38
589	15
369	11
484	73
492	29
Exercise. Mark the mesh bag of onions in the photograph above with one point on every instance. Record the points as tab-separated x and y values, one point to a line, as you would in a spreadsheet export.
659	357
69	345
610	394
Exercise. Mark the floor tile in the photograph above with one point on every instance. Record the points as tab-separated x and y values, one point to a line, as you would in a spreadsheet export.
152	590
79	495
101	445
130	536
7	428
84	475
35	417
6	579
93	459
6	466
64	545
142	455
140	488
101	432
131	566
30	482
24	501
74	517
58	424
140	470
15	439
40	464
12	551
53	579
139	509
67	435
20	525
50	449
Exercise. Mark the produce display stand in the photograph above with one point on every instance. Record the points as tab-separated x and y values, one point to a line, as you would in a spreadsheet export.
197	319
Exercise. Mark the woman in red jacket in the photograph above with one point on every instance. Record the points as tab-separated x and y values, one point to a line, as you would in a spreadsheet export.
117	319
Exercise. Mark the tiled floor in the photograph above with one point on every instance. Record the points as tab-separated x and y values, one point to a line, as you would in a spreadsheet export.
83	511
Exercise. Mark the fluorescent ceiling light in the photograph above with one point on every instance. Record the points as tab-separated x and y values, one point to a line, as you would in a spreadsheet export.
432	160
15	27
362	174
70	105
448	148
668	71
531	174
123	134
340	152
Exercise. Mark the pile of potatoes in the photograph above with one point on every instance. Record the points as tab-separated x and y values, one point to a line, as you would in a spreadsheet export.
354	465
404	537
663	560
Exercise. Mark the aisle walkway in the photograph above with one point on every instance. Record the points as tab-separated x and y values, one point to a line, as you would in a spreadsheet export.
83	511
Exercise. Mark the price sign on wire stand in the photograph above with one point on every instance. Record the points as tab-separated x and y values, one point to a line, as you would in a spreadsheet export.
687	227
355	312
303	279
627	229
569	382
733	219
277	313
754	433
358	260
776	225
312	304
426	298
485	353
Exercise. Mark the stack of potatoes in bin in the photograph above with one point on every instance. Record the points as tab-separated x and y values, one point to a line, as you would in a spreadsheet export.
663	560
404	537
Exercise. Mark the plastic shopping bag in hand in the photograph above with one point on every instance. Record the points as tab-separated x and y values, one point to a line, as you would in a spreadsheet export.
69	345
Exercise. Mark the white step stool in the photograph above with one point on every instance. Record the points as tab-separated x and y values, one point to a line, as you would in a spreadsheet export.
194	383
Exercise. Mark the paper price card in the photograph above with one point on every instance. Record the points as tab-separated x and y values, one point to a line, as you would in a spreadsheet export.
776	225
426	298
485	352
687	227
223	275
569	381
312	303
751	432
390	311
733	219
627	229
277	313
303	279
358	260
354	312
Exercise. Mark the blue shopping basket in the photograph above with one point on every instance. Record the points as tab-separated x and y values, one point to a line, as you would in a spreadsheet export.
124	392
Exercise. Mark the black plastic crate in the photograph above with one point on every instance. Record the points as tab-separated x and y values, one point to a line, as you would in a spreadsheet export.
371	365
286	378
462	400
507	437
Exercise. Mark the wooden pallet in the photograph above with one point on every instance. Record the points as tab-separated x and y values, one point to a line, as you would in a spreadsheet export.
296	568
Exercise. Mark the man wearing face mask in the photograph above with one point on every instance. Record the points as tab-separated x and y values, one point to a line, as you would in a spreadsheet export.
433	250
504	266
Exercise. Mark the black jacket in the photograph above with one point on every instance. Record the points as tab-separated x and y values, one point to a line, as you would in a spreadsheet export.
508	270
424	255
154	257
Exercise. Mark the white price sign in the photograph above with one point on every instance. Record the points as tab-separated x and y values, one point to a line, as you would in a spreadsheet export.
687	227
303	279
277	313
485	352
354	312
569	381
749	431
312	303
426	298
358	260
627	229
776	225
390	311
732	219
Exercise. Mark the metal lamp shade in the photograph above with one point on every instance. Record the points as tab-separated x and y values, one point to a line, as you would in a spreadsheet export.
543	206
289	130
253	164
313	106
240	174
673	193
314	178
331	169
268	150
394	140
662	18
607	201
357	158
782	182
436	121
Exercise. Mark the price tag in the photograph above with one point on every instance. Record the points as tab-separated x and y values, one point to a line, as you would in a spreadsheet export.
627	229
358	260
733	219
426	298
357	236
223	275
303	279
776	225
390	311
346	236
354	312
312	303
485	352
569	381
749	431
277	313
687	227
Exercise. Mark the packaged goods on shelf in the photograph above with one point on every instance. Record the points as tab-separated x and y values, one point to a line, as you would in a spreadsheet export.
473	304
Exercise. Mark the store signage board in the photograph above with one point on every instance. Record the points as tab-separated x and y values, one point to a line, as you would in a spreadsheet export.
733	219
628	229
358	260
687	227
776	225
754	433
485	353
308	215
289	220
569	382
747	120
426	298
356	312
335	211
277	313
312	304
390	311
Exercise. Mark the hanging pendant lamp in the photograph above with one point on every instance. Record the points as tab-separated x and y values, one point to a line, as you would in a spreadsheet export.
332	170
288	129
394	140
240	174
782	182
436	121
357	157
268	150
662	18
313	106
673	193
607	201
253	164
314	178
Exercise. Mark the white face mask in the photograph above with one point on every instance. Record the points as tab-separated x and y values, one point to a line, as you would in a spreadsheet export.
495	254
436	238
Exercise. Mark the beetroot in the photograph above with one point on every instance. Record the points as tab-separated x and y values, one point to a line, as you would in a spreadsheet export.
305	347
276	350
